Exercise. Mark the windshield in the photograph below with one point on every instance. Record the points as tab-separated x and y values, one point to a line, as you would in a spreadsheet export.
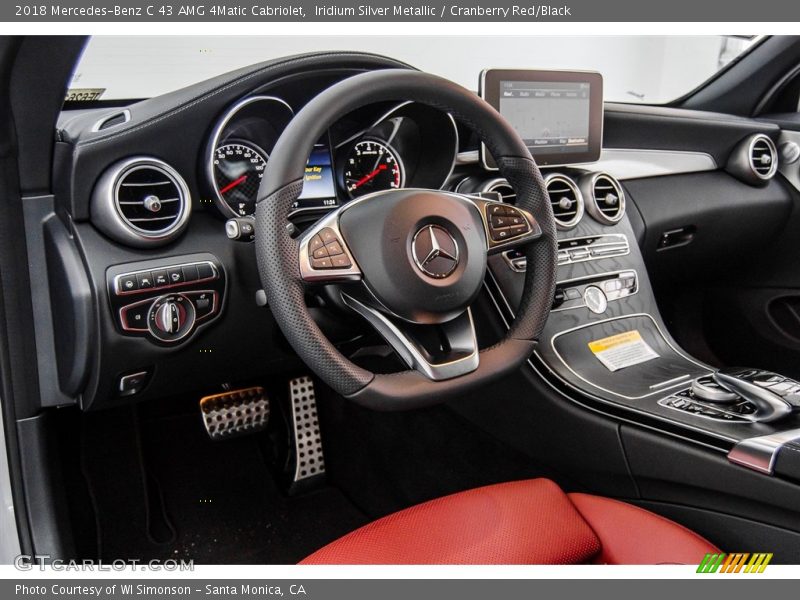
646	69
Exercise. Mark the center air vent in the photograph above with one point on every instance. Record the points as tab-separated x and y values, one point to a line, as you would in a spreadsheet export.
566	199
605	198
141	202
754	160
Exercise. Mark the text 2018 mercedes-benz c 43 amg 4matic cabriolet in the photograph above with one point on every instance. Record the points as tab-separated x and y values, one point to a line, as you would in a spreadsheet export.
336	308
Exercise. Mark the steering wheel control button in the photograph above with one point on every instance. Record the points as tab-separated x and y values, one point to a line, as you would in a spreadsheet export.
500	221
326	251
595	299
171	318
320	253
328	236
341	262
315	244
321	263
506	222
133	383
435	251
334	248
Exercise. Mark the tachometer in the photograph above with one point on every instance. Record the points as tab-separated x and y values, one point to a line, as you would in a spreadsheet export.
372	166
238	169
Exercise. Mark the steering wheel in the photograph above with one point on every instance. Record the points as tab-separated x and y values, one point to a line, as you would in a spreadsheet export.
410	261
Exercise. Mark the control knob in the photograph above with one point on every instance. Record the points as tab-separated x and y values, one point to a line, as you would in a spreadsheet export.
171	318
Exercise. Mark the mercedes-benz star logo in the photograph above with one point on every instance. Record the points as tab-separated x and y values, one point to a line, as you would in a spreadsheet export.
435	251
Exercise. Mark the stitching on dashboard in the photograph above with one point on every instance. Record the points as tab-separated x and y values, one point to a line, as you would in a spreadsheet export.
224	87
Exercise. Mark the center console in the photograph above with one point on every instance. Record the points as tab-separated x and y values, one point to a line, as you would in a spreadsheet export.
605	344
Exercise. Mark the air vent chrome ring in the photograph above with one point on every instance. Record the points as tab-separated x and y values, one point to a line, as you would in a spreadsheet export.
754	160
495	185
605	197
563	204
766	166
159	187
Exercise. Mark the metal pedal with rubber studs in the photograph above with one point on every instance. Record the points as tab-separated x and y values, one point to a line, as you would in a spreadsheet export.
309	460
235	413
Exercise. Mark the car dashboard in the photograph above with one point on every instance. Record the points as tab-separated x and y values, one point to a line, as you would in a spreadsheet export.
153	288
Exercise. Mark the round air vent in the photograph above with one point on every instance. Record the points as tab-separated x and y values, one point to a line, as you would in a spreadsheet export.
755	160
501	188
566	199
141	202
763	157
605	200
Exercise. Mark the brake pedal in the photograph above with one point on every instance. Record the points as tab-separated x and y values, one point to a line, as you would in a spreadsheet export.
235	413
308	458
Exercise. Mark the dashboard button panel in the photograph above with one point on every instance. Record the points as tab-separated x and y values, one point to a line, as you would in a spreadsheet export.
166	299
161	278
596	291
581	249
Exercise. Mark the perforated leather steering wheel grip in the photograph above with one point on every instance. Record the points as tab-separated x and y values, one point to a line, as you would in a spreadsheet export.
277	252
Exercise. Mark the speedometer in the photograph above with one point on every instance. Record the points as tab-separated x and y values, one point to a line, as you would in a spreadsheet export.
372	166
238	169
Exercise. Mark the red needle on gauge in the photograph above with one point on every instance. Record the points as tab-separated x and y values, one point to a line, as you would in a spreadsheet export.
233	184
366	178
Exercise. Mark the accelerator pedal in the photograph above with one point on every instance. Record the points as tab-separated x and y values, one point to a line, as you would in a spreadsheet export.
309	462
235	413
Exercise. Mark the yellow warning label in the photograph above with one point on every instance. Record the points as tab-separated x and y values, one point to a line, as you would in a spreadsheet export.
615	340
622	350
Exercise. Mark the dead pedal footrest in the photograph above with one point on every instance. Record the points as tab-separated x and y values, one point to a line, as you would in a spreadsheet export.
235	413
309	460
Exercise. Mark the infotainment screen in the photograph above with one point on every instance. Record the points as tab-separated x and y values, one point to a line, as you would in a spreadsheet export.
319	189
558	114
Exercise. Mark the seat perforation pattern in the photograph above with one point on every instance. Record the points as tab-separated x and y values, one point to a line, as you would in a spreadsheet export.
521	522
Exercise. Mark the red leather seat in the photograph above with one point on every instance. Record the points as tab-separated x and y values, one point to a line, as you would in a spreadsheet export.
522	522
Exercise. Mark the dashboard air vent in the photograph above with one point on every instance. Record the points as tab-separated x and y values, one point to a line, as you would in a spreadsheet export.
501	188
141	202
606	200
754	160
566	199
763	157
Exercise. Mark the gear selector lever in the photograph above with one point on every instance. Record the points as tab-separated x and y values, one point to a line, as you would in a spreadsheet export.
769	405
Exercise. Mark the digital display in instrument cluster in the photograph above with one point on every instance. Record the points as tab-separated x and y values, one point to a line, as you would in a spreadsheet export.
319	188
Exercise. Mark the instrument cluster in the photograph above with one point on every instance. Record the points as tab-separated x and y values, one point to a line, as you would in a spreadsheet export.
405	145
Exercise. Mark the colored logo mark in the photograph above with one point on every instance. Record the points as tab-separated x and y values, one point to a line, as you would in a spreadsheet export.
739	562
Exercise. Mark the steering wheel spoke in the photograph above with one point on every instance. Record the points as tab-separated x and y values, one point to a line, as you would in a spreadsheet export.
441	351
324	254
506	225
418	257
